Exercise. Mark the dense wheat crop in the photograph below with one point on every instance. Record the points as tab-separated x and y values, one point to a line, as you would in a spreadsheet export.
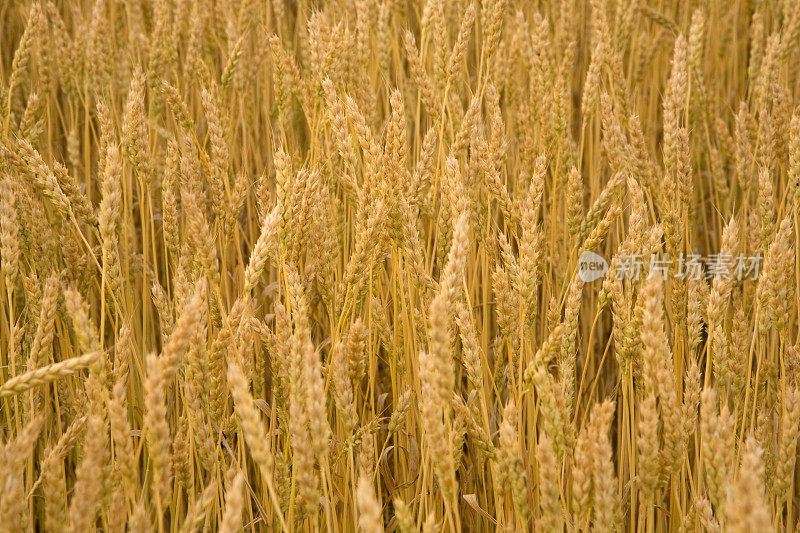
401	265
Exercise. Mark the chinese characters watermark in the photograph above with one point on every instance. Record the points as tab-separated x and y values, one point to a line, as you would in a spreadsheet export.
592	266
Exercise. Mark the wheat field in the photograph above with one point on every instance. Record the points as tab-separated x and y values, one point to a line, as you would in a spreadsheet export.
399	265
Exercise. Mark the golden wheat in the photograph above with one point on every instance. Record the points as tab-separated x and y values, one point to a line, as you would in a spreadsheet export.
399	265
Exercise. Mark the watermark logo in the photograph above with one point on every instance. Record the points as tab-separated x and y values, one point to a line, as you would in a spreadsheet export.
591	266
